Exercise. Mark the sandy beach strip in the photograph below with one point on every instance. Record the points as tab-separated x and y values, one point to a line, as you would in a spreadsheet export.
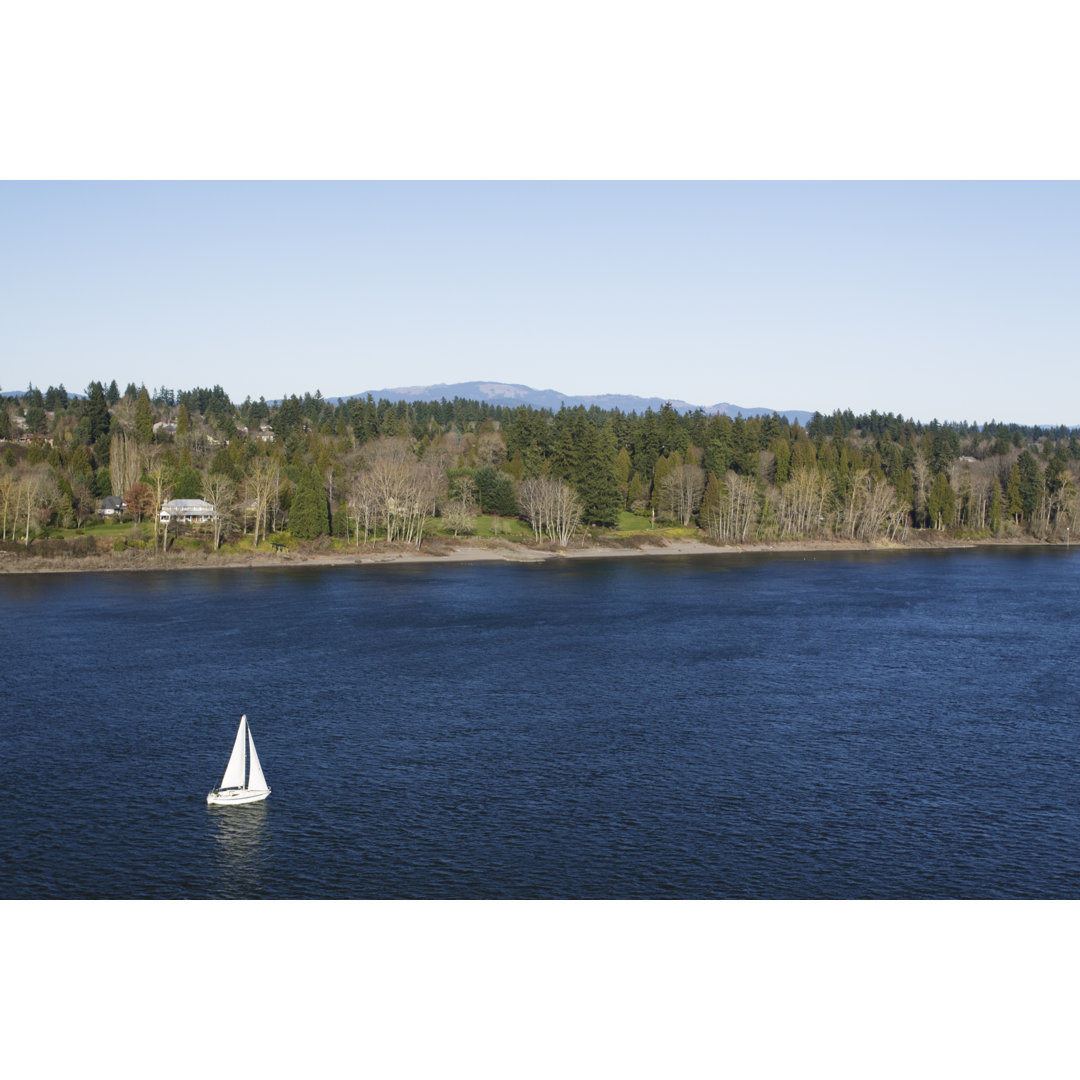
451	551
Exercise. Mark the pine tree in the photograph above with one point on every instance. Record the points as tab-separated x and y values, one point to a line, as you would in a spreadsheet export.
566	454
781	449
645	444
495	491
942	502
598	480
339	524
1031	483
1057	471
97	411
144	419
720	446
663	466
309	515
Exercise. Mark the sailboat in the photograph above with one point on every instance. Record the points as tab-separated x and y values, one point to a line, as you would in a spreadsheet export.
232	788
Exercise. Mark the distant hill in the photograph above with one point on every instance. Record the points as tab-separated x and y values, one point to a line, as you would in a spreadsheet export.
512	394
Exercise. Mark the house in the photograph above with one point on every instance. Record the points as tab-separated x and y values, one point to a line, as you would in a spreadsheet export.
112	506
187	510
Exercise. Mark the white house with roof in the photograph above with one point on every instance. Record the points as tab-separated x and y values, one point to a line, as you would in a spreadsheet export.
187	510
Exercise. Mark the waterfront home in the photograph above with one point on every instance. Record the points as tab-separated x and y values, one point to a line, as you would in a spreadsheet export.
112	506
187	510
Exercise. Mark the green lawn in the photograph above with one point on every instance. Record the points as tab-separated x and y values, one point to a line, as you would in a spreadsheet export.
512	528
634	523
486	526
105	528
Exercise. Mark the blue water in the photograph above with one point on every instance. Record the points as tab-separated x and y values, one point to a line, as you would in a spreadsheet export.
849	725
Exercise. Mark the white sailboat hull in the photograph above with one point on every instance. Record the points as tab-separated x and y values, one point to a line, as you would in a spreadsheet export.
235	795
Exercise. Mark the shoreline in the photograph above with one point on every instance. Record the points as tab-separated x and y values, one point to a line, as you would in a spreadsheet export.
462	551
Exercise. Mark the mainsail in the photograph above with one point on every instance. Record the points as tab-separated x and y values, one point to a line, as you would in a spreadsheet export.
256	781
234	771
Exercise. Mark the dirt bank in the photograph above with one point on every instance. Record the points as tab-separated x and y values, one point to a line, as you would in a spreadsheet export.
52	559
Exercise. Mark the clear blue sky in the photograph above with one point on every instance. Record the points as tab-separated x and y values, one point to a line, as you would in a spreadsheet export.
952	300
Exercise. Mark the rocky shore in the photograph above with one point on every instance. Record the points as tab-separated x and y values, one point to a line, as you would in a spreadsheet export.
55	557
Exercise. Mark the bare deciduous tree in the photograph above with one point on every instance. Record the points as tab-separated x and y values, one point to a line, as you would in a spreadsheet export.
219	490
459	513
125	467
37	493
159	477
731	516
551	507
261	485
395	490
680	492
800	510
361	504
9	493
872	509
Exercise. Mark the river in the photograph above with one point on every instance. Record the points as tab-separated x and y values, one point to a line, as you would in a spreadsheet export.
803	725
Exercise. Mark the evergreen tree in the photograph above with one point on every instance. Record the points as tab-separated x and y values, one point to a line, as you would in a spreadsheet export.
309	514
711	499
663	466
339	524
97	411
1057	471
1031	483
673	435
637	494
566	455
598	479
781	449
495	491
144	418
188	483
289	418
720	447
515	467
645	444
36	420
942	502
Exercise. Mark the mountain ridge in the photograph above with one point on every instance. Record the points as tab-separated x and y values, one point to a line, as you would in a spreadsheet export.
513	394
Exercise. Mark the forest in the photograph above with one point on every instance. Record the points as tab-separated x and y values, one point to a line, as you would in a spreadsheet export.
356	471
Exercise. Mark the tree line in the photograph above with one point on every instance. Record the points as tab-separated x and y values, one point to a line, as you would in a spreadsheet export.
360	469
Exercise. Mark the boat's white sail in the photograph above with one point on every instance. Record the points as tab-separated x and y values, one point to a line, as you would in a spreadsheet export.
256	780
234	771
